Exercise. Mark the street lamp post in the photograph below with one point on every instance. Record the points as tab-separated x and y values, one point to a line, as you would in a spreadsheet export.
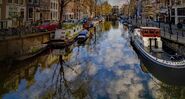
159	15
159	23
169	16
141	12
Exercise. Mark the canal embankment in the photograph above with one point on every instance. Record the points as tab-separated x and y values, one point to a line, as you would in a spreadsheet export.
17	46
20	47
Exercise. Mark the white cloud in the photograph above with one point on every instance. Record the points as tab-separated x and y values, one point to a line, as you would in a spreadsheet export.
118	2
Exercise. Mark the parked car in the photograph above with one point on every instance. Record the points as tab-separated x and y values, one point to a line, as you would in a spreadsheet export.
47	26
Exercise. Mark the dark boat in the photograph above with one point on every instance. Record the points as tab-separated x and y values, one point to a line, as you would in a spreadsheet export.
83	36
159	63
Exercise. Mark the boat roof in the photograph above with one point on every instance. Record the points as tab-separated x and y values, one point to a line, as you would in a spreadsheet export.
84	32
149	28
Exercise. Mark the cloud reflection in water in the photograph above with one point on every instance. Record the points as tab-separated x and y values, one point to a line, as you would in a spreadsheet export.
108	70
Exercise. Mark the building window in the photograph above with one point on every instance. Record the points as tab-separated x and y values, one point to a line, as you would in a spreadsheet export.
3	24
22	13
30	1
173	11
21	2
16	1
51	15
36	1
9	1
181	11
30	12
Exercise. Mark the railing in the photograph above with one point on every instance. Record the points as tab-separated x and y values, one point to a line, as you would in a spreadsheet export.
173	37
169	63
18	31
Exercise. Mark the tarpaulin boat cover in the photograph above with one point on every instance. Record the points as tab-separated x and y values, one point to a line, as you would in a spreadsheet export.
84	32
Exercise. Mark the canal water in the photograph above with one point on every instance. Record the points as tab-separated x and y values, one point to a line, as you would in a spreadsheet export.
105	67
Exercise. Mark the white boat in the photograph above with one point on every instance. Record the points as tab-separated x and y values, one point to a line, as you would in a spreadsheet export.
60	34
148	45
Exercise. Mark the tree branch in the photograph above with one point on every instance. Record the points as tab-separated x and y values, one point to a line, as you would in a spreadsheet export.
66	2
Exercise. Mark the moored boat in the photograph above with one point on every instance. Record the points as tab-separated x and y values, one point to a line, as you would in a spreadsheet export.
83	36
63	38
147	43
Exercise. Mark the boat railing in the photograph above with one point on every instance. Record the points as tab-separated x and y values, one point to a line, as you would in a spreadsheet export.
179	63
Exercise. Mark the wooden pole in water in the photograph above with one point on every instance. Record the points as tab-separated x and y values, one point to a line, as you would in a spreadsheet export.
156	46
150	44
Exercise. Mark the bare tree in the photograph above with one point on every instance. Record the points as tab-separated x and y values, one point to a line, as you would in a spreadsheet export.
62	4
91	4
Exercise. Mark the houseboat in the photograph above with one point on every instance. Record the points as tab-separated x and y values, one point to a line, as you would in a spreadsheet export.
65	37
167	68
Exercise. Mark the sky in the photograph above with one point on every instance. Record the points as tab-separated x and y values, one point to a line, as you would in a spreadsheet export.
117	2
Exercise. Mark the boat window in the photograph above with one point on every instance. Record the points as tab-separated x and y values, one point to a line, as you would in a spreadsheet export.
157	32
138	31
152	31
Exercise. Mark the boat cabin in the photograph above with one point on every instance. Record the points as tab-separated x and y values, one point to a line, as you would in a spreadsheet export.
149	36
60	34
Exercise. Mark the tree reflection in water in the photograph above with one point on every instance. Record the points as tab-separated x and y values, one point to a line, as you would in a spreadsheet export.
77	88
172	92
65	89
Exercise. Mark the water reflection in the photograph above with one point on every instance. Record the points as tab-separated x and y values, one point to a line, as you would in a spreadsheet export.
164	90
115	25
106	67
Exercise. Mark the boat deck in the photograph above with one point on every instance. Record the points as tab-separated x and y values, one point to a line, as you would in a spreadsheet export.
161	54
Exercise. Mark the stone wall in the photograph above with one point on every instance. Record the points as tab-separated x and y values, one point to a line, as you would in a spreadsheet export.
20	46
179	48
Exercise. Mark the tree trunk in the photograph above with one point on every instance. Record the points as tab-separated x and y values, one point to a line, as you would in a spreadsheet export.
169	17
61	14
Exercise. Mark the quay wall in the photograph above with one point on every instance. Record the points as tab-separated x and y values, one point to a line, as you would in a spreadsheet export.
177	47
12	47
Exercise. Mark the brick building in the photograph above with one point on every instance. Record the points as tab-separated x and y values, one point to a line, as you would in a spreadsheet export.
12	13
54	10
45	10
177	11
33	11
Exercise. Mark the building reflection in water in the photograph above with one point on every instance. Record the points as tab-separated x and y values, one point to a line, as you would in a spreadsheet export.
25	70
115	24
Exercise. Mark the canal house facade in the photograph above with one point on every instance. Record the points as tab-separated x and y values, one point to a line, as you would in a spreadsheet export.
12	13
